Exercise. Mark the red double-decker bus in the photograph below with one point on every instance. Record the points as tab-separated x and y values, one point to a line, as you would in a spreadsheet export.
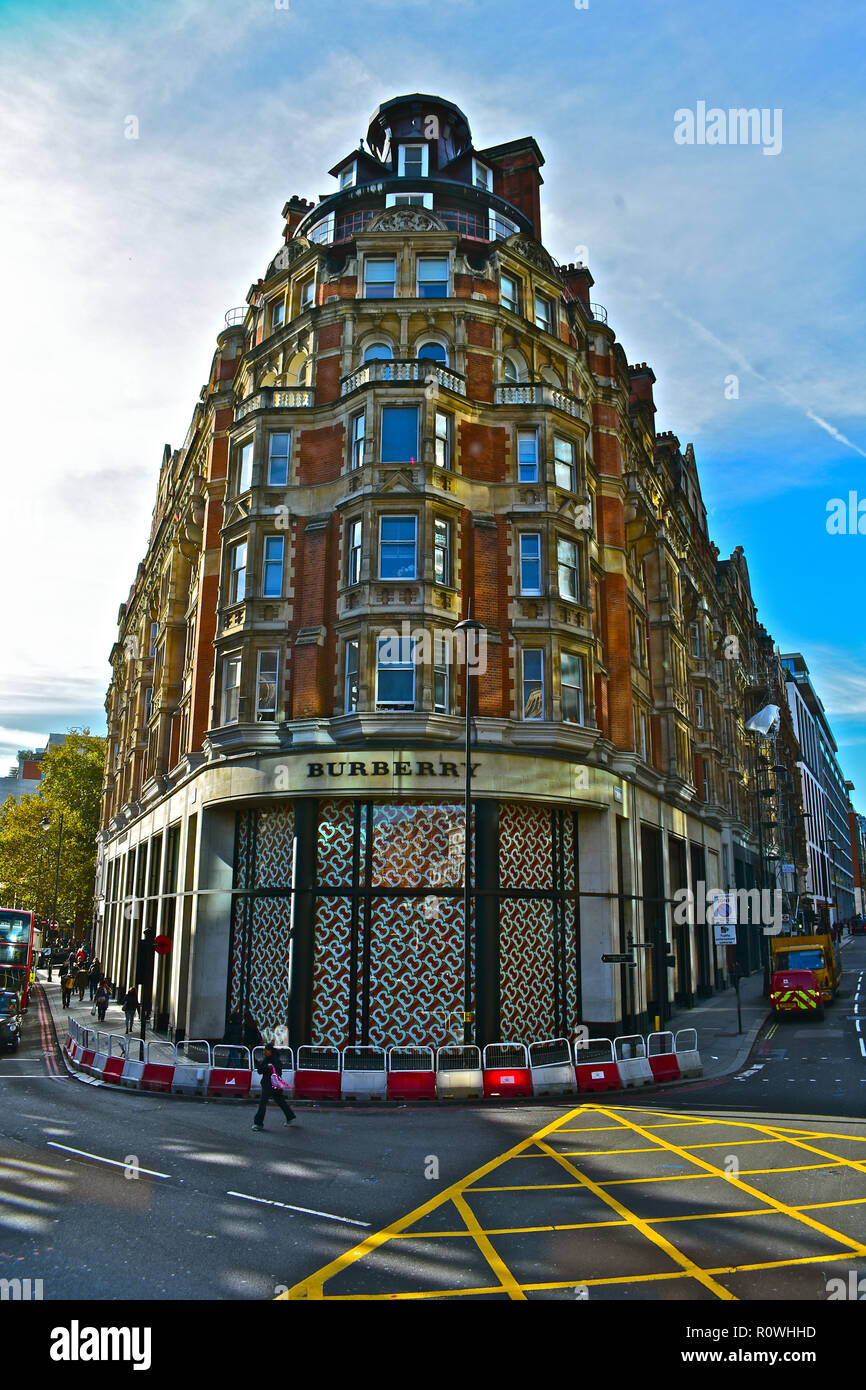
17	933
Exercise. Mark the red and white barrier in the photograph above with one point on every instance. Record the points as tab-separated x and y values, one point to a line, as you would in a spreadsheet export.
551	1068
631	1060
662	1057
686	1049
595	1067
364	1075
459	1074
317	1073
411	1074
506	1070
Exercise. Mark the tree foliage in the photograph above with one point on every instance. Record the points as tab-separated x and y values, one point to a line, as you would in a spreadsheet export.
71	787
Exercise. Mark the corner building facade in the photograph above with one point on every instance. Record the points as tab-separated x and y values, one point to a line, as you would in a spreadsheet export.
419	416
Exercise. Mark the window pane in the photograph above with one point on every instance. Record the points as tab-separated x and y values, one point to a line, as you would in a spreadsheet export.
433	352
543	312
278	460
399	434
397	547
566	554
533	685
351	702
358	435
432	278
266	694
509	292
572	688
378	352
443	440
379	279
563	451
272	586
509	371
527	456
530	564
395	671
245	469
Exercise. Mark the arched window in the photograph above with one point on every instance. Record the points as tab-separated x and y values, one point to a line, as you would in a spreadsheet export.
433	352
510	373
378	352
298	370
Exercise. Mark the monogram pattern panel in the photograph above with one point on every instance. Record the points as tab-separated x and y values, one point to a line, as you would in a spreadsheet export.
274	848
331	971
416	973
269	972
335	843
243	843
527	1011
238	923
568	866
525	850
572	1017
418	845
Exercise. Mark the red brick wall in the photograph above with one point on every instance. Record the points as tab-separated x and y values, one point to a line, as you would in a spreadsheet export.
329	336
321	454
479	377
491	584
327	379
482	452
621	731
315	583
479	334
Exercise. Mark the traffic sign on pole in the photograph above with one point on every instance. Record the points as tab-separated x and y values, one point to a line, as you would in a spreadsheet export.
621	959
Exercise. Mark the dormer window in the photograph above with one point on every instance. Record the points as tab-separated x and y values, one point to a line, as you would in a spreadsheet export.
349	175
412	161
278	315
482	177
409	200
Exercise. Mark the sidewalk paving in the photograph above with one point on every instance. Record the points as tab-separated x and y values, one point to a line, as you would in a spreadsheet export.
115	1019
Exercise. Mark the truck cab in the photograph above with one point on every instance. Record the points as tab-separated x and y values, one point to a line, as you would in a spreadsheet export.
818	954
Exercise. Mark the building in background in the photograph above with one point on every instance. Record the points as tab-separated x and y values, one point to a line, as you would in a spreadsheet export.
26	778
830	880
418	417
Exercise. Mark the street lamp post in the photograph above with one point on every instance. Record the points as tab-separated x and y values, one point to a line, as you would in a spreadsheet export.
45	823
468	625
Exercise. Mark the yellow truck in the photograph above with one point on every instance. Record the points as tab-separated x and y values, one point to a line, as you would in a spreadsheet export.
818	953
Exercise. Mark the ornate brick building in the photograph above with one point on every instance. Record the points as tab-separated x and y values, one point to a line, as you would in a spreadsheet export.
420	416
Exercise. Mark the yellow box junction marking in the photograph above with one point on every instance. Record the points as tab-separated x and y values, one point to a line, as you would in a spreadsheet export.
455	1198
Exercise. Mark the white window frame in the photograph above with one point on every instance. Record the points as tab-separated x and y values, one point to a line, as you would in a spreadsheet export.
533	680
441	676
351	675
443	439
695	641
279	434
419	261
407	651
306	301
270	563
231	694
527	434
398	516
278	308
486	171
409	200
575	568
569	685
263	713
558	463
359	439
237	586
700	709
380	260
549	325
441	526
401	159
352	171
245	466
354	550
513	307
530	559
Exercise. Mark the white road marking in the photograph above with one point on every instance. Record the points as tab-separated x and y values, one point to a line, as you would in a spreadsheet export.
308	1211
863	1046
115	1163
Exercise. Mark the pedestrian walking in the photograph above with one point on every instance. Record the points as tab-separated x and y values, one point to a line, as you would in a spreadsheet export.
94	975
273	1088
101	1001
131	1007
67	980
252	1036
81	981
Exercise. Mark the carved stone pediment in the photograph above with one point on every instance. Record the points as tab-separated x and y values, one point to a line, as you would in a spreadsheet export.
532	251
406	219
398	480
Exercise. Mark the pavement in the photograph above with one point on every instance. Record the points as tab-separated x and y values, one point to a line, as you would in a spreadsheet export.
724	1041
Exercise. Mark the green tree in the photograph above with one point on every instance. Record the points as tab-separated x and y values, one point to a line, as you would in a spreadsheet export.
71	787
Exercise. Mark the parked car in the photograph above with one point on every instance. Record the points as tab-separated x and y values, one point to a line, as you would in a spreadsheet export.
11	1020
858	924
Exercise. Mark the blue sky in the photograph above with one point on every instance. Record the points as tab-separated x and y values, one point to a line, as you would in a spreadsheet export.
711	260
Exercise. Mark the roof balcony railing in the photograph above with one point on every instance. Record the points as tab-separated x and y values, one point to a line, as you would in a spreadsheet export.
538	393
235	317
277	398
598	312
401	370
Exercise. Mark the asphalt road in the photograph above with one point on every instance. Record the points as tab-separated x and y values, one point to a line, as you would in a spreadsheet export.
751	1187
